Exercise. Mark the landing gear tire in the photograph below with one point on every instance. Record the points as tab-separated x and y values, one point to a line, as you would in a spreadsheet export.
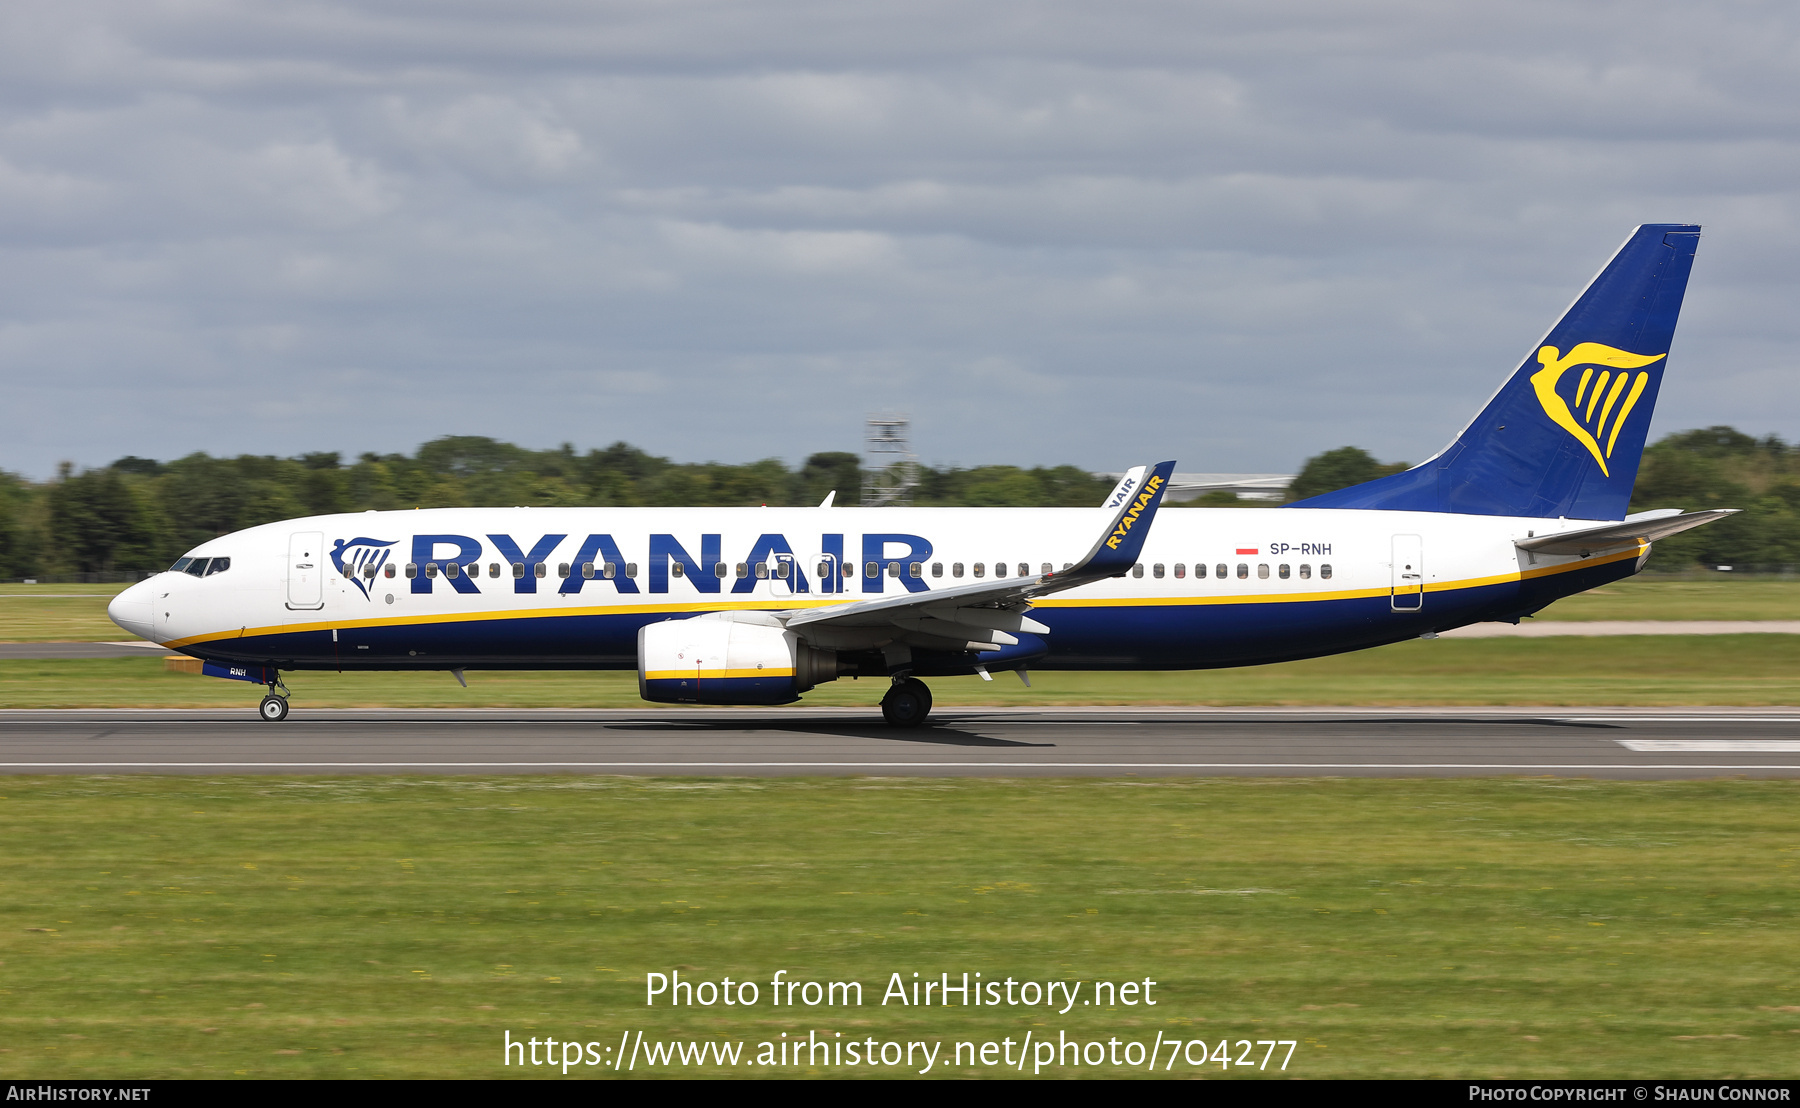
906	704
274	708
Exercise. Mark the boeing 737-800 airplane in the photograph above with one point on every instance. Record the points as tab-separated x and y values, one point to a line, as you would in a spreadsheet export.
757	605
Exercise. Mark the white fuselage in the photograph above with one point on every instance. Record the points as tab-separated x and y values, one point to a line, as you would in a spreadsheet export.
1273	583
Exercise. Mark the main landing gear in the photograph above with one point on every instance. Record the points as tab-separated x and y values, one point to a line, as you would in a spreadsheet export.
274	707
907	702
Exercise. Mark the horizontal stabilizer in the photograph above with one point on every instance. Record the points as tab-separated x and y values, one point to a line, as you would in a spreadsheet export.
1640	529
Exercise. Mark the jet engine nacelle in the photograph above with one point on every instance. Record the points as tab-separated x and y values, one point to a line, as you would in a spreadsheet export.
710	660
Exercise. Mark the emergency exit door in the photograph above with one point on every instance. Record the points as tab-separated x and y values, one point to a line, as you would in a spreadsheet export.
1409	573
306	570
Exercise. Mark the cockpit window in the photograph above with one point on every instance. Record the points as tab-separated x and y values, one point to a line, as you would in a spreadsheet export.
200	567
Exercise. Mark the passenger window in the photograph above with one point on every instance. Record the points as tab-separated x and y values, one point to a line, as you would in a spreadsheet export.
518	569
1325	572
452	570
1024	569
999	569
937	569
782	569
1156	571
743	570
1305	571
1199	569
610	570
676	569
219	565
1221	571
956	569
871	569
1262	570
1243	571
369	572
720	569
980	570
587	571
1282	571
915	570
762	570
562	570
1180	571
538	569
630	569
493	569
1047	570
1137	570
824	570
389	571
893	569
412	569
430	569
1068	566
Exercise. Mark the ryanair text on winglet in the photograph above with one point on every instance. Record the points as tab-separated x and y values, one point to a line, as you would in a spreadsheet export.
1144	498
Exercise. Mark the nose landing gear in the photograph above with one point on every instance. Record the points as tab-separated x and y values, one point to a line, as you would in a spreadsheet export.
907	703
274	707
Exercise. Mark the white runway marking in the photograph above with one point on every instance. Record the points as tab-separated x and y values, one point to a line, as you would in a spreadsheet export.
1535	766
1678	719
1711	746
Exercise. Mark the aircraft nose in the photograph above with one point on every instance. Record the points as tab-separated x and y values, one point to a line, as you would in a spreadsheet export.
131	609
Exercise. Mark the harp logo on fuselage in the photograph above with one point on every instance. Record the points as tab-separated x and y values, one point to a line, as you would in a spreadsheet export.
360	559
1602	399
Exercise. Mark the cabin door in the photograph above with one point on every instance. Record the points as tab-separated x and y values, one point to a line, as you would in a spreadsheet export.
830	577
306	570
1409	573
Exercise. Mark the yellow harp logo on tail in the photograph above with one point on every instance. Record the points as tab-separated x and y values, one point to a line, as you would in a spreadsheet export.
1593	407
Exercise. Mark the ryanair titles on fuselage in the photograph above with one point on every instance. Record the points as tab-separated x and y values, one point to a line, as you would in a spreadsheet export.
431	556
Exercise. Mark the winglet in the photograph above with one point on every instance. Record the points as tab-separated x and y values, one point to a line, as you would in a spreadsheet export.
1119	546
1127	485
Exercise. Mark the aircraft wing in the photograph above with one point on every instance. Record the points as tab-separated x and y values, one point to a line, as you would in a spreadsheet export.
1633	531
982	615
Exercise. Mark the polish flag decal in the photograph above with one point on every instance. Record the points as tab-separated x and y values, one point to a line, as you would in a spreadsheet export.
1246	550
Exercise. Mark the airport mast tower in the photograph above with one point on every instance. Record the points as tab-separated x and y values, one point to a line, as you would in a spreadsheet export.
891	471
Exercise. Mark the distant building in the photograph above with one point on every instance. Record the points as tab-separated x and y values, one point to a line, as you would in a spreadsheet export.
1248	486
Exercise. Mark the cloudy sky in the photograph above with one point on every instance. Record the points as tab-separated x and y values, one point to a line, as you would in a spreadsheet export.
1230	233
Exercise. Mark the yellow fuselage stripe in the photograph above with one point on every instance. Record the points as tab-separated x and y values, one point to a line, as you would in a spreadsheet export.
712	674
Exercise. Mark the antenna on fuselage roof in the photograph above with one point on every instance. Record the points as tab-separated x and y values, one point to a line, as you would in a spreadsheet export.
829	497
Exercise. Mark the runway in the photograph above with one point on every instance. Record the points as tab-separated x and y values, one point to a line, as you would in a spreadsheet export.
989	742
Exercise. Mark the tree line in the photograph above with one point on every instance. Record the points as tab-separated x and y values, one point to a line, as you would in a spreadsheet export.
1715	467
138	515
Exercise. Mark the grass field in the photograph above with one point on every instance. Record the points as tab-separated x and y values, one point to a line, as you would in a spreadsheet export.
77	613
174	927
1627	669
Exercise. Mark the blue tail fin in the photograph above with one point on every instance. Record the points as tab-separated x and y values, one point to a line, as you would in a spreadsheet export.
1564	435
